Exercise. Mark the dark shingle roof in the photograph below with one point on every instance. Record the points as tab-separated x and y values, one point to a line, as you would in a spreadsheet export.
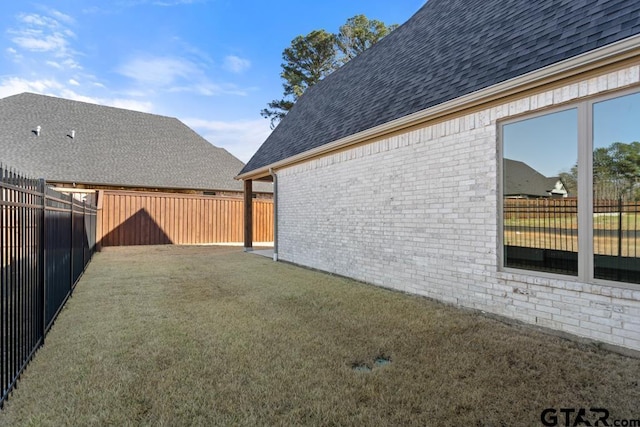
520	179
112	146
448	49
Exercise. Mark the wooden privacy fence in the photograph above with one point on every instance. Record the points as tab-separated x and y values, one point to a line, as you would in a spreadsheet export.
128	218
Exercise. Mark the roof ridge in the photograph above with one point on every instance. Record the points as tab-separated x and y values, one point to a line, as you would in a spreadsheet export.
88	104
111	146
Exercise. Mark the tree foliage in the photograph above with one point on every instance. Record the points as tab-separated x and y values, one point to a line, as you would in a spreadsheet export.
311	58
616	172
307	61
570	180
359	34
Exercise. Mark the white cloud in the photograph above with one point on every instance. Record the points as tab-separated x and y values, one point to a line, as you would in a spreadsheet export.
71	64
54	64
174	74
130	104
36	41
17	57
159	71
235	64
241	138
42	42
174	2
37	20
61	16
74	96
15	85
208	89
44	34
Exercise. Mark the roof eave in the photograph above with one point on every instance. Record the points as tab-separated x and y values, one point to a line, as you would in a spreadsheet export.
159	187
597	58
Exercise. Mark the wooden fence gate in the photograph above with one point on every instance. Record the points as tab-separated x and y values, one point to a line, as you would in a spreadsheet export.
128	218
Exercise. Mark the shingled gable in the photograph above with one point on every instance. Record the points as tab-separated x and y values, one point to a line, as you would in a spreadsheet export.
110	147
521	180
448	49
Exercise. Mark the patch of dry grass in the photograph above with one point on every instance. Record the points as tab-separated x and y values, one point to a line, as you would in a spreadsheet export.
213	336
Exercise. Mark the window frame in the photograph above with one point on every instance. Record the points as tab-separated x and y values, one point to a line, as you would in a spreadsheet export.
585	131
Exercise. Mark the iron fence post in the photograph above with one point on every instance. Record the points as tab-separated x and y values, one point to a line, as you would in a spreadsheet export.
84	213
41	252
71	206
619	226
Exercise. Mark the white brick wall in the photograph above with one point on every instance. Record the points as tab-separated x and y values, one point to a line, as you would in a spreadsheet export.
418	213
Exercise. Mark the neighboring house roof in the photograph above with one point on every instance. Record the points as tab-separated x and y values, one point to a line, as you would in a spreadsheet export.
521	180
448	49
111	146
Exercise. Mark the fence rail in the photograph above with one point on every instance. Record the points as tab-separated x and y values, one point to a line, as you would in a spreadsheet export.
46	240
553	224
548	229
541	223
144	218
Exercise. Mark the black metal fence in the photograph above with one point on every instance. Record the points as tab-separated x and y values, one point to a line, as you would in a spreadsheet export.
46	240
553	224
542	234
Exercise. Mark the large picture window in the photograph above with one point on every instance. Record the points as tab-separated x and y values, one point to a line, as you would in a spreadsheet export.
571	191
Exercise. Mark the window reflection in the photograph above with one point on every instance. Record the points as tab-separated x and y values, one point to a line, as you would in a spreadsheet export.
540	229
616	189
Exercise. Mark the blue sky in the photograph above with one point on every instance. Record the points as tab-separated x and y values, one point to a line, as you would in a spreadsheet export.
214	64
549	143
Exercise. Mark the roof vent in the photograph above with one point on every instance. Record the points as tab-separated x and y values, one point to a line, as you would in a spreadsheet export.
73	133
38	129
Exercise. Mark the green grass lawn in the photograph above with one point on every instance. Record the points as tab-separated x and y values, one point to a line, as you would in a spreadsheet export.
172	335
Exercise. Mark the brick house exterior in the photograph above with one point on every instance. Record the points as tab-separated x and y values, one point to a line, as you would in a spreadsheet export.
414	202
